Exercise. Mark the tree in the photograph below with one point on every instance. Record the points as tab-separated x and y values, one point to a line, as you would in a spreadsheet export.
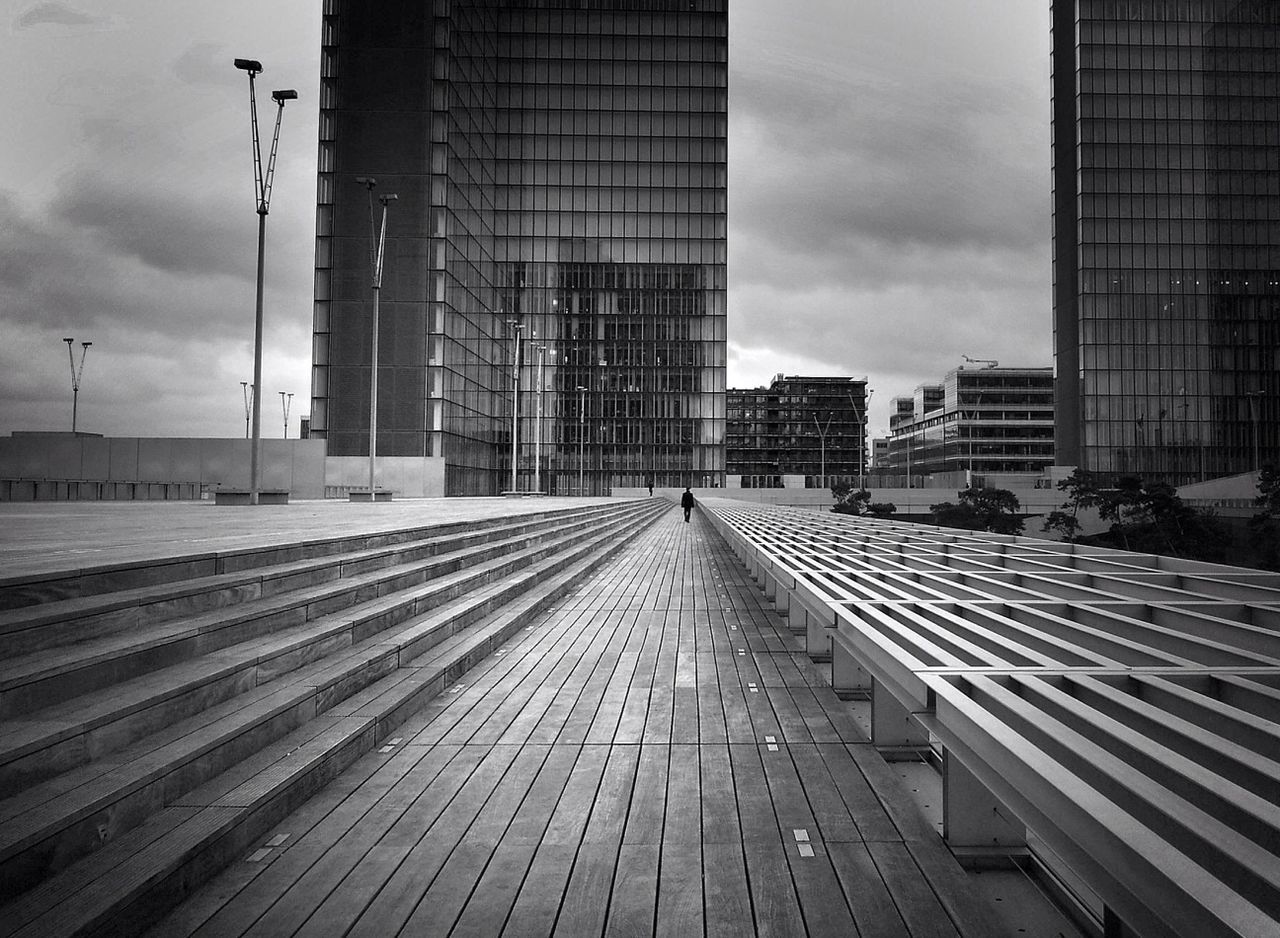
1264	527
994	510
1081	488
1147	517
858	502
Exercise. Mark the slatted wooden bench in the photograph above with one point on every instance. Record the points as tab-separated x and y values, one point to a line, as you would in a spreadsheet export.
1114	713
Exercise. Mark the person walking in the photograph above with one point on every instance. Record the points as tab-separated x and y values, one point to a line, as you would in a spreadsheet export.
686	502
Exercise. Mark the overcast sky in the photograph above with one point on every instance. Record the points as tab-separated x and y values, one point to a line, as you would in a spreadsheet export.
889	201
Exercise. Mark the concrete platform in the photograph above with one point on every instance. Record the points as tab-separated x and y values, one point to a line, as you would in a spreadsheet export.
655	756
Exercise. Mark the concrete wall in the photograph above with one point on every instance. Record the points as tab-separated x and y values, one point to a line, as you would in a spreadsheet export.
406	476
295	465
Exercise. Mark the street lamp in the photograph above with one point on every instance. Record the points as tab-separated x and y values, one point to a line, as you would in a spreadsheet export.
285	401
246	391
862	426
377	247
262	180
822	440
76	375
537	428
582	431
516	328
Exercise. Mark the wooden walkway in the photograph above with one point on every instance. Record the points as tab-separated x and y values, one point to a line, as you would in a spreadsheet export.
657	756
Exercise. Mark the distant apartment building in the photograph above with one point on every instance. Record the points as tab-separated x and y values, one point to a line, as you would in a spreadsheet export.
879	451
799	431
982	420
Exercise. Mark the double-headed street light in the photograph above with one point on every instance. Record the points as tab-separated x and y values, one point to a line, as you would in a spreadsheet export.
377	248
286	399
246	391
262	179
76	375
516	328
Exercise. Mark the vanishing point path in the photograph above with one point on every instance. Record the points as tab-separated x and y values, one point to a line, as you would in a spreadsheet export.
657	756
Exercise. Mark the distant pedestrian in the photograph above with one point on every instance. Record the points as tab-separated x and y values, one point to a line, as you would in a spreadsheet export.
686	502
651	486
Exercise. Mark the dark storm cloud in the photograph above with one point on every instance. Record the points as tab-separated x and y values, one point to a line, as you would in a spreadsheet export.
849	184
176	232
54	14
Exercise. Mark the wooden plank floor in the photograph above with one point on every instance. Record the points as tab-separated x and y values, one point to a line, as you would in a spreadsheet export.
657	756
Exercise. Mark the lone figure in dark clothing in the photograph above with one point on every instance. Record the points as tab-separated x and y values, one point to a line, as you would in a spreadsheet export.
686	502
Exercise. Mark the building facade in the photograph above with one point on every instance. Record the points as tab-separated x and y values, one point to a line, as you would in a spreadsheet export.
553	302
807	431
979	420
1166	129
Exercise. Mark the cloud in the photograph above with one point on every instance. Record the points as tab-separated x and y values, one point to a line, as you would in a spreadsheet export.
52	13
178	232
206	63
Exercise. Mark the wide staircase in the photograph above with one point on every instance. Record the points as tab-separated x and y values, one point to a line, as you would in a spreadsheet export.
157	718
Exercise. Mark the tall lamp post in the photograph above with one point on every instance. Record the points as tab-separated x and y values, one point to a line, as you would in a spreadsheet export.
822	440
76	375
862	442
262	179
582	431
516	328
285	400
377	247
537	428
246	390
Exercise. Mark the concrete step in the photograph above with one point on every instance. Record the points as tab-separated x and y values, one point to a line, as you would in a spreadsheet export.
83	816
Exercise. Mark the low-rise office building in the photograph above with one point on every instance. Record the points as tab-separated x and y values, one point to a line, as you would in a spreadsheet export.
978	420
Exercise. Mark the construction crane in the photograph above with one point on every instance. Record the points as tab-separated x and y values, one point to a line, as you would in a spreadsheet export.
990	363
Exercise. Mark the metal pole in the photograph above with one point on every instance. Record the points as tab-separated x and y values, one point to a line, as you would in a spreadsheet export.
254	479
373	392
515	406
582	435
285	400
537	429
245	390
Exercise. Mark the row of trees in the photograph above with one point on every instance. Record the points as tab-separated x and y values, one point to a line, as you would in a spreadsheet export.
1147	517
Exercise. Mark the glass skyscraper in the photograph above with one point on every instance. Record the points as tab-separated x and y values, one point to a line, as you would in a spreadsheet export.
1166	127
556	260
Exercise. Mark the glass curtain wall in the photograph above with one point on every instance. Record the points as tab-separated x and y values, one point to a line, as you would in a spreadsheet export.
557	249
1167	235
611	224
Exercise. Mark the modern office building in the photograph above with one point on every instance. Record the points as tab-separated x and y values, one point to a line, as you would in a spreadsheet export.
555	261
979	420
799	431
1166	130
